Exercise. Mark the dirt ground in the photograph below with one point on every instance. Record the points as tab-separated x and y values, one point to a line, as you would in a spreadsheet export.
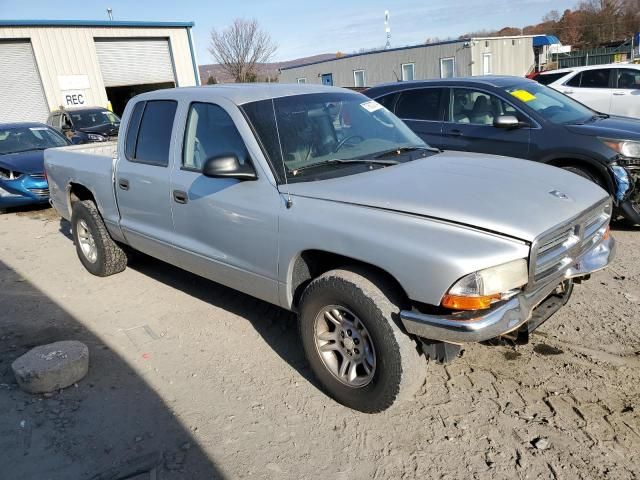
189	379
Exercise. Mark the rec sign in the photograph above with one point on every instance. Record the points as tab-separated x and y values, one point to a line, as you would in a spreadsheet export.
73	98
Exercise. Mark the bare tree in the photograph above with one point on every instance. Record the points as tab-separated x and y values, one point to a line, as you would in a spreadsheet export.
241	47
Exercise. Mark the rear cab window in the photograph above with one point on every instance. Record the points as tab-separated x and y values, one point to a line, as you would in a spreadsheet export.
149	132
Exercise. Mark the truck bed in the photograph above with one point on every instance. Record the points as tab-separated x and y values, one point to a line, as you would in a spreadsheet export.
88	165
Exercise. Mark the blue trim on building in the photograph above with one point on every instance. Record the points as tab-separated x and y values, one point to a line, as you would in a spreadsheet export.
423	45
92	23
196	70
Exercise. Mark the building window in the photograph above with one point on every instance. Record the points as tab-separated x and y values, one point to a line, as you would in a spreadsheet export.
408	71
486	64
359	80
513	42
486	43
447	67
302	80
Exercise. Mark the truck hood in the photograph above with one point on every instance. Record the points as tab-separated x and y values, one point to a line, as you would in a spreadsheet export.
24	162
498	194
623	128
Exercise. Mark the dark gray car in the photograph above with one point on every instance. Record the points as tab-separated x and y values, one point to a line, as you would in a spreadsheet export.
518	117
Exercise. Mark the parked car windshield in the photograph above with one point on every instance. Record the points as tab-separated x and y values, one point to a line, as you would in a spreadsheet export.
24	139
551	104
301	132
93	118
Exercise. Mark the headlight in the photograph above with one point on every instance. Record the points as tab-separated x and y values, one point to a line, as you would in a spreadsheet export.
480	289
626	148
94	137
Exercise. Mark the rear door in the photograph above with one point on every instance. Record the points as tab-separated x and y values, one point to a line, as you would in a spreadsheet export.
626	95
225	229
592	87
469	124
422	109
142	178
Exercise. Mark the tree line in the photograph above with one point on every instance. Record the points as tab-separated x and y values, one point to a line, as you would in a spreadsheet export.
590	24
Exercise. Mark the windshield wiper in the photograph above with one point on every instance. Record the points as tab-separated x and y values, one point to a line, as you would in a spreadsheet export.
334	161
399	150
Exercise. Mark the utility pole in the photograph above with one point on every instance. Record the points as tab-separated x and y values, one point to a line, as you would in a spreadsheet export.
110	13
387	29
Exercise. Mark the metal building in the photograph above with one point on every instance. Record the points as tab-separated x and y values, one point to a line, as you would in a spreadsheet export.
455	58
45	64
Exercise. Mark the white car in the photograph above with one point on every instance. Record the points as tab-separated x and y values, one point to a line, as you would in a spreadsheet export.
612	88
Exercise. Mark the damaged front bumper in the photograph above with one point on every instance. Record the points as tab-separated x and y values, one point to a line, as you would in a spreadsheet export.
465	327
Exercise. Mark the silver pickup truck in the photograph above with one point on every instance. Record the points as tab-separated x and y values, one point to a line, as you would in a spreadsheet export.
321	201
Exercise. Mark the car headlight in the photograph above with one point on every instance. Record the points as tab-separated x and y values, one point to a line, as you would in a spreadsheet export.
480	289
94	137
626	148
6	174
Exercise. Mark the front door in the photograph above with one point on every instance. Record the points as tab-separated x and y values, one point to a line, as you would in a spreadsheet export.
469	125
225	229
142	178
327	79
422	110
626	96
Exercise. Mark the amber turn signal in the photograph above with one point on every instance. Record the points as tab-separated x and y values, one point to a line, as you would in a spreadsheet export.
457	302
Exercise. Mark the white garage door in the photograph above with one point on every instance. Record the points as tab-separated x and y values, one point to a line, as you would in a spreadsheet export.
21	94
134	61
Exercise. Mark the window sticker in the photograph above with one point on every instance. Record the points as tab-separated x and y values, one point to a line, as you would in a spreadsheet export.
371	106
523	95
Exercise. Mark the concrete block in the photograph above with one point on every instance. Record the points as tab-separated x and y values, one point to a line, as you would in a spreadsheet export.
51	367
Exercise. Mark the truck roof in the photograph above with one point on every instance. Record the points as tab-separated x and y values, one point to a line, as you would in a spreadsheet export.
240	93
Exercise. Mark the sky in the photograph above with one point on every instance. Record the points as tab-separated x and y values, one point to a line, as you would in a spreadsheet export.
306	28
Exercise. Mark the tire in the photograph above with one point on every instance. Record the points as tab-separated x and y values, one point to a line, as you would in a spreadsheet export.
584	173
398	369
89	230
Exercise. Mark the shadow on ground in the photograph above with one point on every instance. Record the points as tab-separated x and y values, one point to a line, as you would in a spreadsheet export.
113	425
275	325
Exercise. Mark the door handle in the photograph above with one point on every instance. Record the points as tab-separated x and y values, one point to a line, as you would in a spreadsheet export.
568	92
619	93
123	183
180	197
454	133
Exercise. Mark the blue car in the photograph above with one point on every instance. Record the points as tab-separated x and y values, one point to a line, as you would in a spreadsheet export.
22	177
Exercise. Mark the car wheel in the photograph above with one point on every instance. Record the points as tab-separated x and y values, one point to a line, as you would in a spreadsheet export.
353	344
584	173
97	251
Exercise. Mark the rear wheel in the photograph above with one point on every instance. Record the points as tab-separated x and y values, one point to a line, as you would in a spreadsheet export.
97	251
353	344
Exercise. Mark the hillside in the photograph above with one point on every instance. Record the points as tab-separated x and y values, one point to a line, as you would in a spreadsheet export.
265	70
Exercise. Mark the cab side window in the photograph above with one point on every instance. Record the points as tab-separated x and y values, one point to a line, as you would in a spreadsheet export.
210	132
420	104
477	107
596	78
628	78
149	132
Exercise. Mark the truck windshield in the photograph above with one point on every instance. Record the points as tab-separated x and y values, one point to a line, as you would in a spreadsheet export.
94	118
328	130
551	104
25	139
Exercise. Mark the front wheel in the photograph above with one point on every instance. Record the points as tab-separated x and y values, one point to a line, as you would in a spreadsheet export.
354	345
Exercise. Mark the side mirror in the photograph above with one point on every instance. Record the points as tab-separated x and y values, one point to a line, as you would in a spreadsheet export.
228	166
507	121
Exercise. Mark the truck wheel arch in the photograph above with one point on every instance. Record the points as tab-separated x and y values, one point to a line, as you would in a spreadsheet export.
310	264
78	192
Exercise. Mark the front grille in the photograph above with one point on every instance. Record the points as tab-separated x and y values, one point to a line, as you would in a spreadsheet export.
554	252
40	192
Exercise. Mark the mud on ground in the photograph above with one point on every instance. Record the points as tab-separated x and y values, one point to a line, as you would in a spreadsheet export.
189	379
